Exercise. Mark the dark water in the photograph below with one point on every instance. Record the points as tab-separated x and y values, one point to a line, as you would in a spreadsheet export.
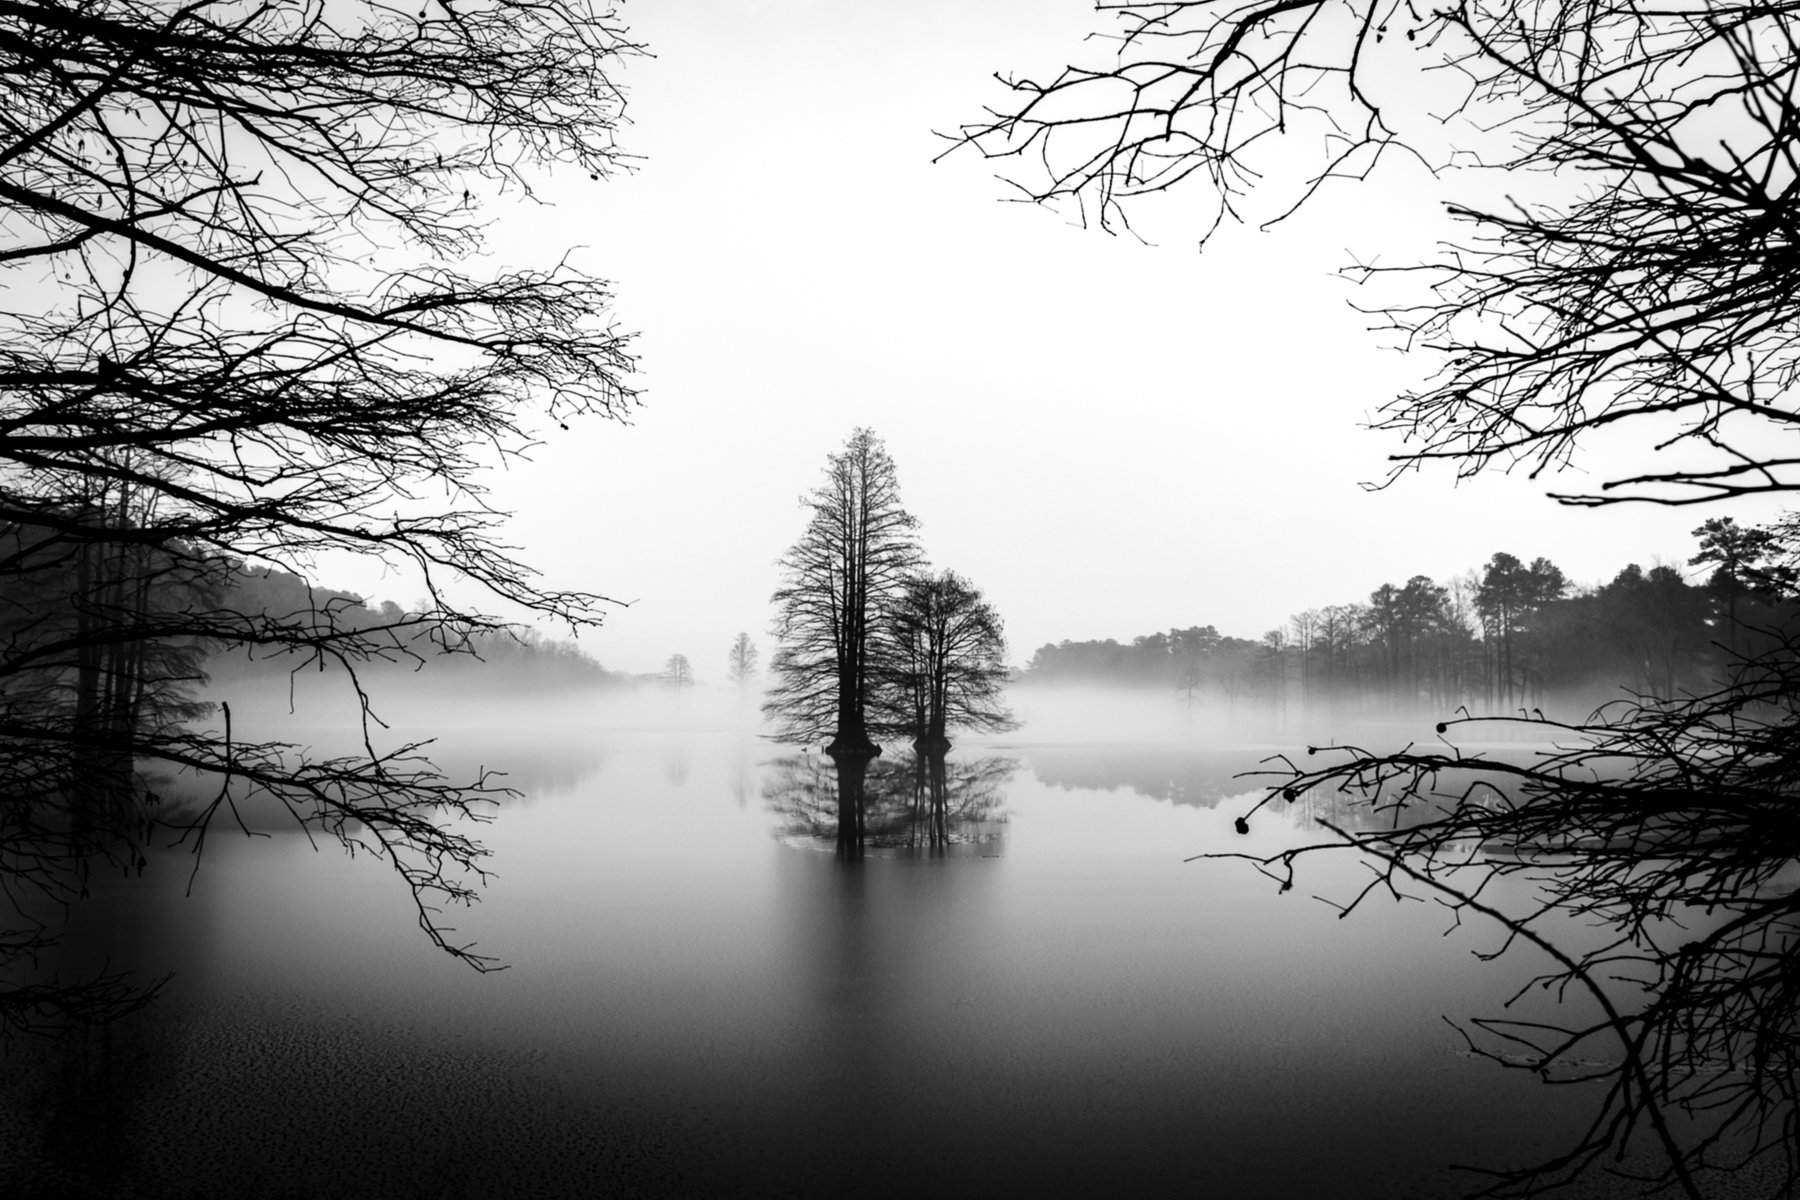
700	1003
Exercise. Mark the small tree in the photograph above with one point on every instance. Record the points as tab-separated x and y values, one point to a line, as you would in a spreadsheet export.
839	583
742	668
676	674
945	662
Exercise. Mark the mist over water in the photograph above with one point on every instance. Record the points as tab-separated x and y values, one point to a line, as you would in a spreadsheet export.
260	339
702	1001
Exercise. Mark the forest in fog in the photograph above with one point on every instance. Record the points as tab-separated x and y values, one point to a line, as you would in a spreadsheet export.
264	317
1509	636
487	662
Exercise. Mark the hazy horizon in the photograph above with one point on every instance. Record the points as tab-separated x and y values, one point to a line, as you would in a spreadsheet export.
1108	437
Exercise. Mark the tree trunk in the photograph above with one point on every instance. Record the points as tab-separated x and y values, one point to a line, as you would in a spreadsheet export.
852	771
940	804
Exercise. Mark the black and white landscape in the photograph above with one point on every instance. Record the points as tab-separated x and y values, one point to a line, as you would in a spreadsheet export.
763	597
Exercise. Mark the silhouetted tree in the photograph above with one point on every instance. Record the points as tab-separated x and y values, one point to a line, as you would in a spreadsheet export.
1657	300
1463	650
1337	630
1659	289
1746	563
1385	622
742	667
1509	594
1303	629
839	584
1271	669
241	336
73	626
1666	821
1418	643
944	662
1643	631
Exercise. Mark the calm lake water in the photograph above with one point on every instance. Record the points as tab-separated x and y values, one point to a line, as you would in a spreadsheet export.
701	1002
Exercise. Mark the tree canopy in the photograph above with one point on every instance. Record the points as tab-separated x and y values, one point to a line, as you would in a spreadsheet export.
1623	178
242	334
1652	297
869	645
839	582
945	662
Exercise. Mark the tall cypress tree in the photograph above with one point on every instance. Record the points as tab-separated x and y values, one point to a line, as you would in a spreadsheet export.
838	583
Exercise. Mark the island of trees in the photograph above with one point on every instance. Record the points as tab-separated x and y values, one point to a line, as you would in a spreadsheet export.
870	644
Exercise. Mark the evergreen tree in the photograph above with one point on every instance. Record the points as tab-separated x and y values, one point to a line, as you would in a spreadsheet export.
1746	564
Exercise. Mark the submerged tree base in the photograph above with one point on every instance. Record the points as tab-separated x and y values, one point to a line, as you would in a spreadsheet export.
852	771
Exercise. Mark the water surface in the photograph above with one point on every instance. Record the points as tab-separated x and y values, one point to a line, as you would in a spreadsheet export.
702	1002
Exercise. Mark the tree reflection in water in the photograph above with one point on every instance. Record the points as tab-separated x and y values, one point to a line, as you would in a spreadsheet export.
914	804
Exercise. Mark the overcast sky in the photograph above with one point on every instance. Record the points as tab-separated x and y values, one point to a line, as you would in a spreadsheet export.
1108	437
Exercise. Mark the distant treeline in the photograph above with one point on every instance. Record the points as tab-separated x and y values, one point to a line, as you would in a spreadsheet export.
1494	640
502	659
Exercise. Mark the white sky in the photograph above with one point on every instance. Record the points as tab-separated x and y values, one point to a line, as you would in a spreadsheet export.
1109	438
